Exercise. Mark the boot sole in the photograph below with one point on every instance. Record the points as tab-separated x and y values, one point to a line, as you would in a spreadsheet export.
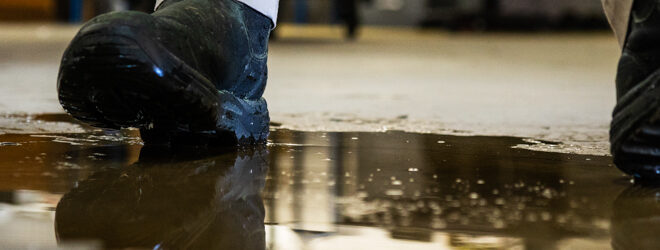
116	81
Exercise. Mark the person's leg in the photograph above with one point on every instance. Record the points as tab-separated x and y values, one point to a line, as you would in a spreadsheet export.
618	14
635	128
193	68
349	14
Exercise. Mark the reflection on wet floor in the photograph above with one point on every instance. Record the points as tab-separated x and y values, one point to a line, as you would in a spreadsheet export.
314	190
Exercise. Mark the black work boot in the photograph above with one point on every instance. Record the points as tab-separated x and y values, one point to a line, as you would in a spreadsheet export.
635	130
194	69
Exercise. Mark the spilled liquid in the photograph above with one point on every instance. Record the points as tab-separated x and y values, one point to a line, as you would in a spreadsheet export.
314	190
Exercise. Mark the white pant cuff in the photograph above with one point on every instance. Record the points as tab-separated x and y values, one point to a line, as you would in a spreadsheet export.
267	7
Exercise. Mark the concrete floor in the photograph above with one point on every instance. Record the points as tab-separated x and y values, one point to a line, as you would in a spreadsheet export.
550	86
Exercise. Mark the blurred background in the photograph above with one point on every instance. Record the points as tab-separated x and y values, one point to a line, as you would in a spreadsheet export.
476	15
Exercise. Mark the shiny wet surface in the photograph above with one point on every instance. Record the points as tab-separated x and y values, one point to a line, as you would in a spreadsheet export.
315	190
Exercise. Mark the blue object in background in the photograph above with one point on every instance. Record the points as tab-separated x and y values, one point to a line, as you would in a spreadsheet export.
300	11
75	11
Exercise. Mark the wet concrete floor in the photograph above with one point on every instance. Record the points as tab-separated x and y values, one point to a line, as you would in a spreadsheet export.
315	190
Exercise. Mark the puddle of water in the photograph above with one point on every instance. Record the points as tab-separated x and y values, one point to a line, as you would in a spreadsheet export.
314	190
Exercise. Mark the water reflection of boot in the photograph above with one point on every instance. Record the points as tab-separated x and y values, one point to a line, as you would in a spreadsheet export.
192	67
636	219
182	201
636	119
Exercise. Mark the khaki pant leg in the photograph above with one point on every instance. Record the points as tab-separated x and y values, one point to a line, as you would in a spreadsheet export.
618	14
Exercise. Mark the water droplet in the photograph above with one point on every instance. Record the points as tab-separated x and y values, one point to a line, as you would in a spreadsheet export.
531	217
547	193
545	216
438	223
499	224
413	169
394	192
481	182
